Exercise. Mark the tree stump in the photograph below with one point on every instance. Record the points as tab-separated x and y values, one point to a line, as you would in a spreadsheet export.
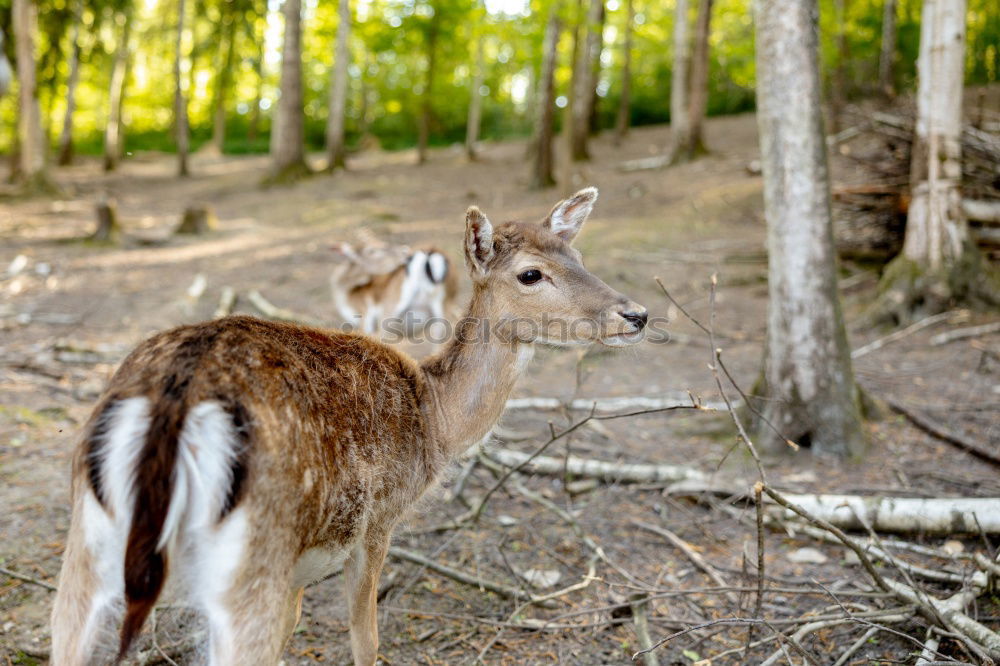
108	229
197	220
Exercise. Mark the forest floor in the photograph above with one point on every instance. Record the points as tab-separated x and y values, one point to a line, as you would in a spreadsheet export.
76	308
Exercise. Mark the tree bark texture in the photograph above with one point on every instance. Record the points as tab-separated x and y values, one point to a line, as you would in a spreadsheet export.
583	82
25	20
180	103
622	121
65	149
427	99
475	103
335	150
288	131
680	123
223	82
808	384
887	56
698	99
545	106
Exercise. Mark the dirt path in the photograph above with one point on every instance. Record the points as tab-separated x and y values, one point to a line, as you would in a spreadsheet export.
682	225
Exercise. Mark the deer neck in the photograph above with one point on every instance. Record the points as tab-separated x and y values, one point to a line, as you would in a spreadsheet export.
470	380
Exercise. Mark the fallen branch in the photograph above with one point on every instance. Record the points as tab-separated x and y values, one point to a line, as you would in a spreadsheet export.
595	469
272	311
607	405
963	333
689	552
970	515
27	579
505	591
227	301
981	211
981	451
913	328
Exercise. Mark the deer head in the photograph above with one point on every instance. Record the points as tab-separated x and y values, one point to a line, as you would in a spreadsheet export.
536	285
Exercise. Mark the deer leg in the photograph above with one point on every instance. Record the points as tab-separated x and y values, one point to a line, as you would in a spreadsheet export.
88	604
361	573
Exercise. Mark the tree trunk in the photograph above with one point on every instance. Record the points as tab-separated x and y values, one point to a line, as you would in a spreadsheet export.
622	121
545	105
335	150
807	383
887	57
695	144
475	104
65	152
288	160
939	265
583	83
223	82
593	123
427	99
680	122
838	92
25	21
180	104
253	127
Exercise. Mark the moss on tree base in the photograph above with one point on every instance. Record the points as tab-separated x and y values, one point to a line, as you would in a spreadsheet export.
909	291
288	174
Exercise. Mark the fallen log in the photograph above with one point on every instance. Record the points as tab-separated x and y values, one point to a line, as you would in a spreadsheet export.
958	515
272	311
963	333
610	405
982	211
596	469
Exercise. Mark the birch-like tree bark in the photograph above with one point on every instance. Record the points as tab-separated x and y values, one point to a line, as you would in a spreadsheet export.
680	123
807	381
180	103
33	171
622	121
253	127
887	56
65	150
336	152
116	96
288	160
545	105
475	103
939	265
694	142
583	82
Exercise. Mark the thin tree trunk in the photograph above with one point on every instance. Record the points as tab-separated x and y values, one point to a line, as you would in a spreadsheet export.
25	21
288	131
623	119
593	122
887	57
427	99
65	152
838	94
807	383
335	149
583	83
545	105
116	93
180	104
224	81
253	127
699	80
680	123
475	104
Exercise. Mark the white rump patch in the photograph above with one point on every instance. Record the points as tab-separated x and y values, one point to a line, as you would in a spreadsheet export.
437	266
206	450
127	422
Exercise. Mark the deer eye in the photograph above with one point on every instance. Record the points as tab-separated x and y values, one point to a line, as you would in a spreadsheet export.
530	276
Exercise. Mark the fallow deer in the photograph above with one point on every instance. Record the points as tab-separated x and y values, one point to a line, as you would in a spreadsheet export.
230	463
379	281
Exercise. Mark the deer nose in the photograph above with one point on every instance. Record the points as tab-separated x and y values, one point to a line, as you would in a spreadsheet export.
637	318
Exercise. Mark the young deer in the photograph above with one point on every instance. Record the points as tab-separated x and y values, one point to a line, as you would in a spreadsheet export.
380	281
233	462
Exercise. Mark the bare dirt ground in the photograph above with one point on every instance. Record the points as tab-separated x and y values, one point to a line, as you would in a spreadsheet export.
76	308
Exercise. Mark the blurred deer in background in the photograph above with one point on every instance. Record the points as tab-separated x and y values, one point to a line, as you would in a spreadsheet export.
230	463
379	281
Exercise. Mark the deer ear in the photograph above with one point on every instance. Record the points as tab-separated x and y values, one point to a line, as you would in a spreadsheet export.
478	241
568	216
